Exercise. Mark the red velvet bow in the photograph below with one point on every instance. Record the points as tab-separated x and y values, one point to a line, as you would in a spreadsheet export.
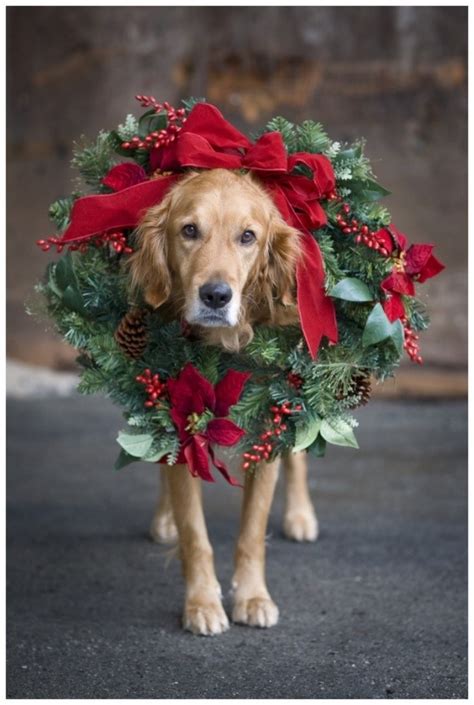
208	141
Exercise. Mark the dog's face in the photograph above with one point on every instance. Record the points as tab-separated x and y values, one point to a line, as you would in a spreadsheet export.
214	247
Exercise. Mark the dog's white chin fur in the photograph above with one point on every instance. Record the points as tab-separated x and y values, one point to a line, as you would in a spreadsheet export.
201	315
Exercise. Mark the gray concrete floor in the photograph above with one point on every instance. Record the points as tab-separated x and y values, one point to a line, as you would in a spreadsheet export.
376	608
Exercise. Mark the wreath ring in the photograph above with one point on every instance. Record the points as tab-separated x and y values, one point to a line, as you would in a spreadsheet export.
291	388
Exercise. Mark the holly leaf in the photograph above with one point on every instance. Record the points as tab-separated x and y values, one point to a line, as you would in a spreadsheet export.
123	460
306	434
338	432
351	289
379	328
136	444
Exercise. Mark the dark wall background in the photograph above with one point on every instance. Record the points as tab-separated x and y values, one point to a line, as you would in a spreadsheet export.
396	75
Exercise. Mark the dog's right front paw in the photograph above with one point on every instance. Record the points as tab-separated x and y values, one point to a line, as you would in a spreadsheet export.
205	619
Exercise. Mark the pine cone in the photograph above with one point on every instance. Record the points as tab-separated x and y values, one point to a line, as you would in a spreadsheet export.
132	333
361	387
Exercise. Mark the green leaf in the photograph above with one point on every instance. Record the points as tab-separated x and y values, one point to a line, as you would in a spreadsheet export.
123	460
73	299
64	272
379	328
372	191
151	121
138	444
306	434
338	432
398	336
115	141
351	289
318	448
166	445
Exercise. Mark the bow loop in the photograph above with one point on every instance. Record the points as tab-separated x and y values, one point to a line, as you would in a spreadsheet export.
267	154
206	120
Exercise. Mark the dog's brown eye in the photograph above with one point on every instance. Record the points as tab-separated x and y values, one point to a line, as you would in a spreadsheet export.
190	231
247	237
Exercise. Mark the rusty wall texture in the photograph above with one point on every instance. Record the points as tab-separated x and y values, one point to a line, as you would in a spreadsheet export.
396	75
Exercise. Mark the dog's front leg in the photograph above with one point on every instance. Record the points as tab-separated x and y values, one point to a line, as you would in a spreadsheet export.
300	522
163	525
252	602
203	611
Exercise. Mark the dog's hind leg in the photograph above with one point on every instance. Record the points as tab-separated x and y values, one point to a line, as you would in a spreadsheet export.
300	522
252	602
203	611
163	527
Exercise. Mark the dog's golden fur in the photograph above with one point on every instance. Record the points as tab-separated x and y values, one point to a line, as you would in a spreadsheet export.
171	268
222	204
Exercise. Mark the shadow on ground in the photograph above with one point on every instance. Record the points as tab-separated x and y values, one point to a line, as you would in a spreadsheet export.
377	608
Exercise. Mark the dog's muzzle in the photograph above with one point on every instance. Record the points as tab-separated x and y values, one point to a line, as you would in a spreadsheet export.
215	306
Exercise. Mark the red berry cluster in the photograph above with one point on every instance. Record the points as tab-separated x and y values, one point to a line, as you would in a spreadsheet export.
117	240
263	450
295	380
411	343
351	226
154	387
53	241
158	138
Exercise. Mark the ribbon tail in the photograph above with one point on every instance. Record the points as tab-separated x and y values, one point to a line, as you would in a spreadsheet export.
222	467
92	215
316	309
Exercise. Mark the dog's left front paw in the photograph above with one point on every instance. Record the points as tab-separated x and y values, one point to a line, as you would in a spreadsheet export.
256	612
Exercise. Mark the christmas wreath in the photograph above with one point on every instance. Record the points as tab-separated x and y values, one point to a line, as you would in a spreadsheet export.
292	387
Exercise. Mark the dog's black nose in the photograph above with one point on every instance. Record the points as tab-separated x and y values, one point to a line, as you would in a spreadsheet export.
215	294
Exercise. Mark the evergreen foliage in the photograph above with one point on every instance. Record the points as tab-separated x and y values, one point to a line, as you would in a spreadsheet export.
87	295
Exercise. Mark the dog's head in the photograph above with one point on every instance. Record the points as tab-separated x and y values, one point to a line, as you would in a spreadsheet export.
217	249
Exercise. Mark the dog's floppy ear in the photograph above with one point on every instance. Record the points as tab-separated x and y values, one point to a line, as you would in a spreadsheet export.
283	254
149	264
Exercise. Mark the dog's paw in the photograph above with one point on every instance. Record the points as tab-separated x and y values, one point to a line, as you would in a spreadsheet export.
255	612
163	528
301	525
205	619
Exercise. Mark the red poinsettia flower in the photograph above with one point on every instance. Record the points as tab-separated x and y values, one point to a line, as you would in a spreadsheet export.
124	175
415	264
199	412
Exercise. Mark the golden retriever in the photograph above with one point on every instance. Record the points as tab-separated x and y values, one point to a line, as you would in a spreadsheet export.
217	253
